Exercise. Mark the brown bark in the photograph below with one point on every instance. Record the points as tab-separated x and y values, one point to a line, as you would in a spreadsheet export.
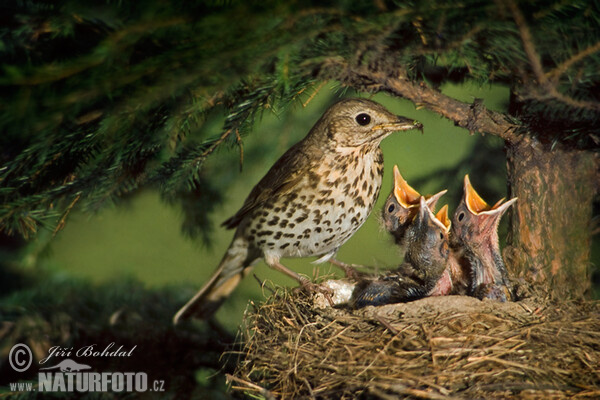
550	233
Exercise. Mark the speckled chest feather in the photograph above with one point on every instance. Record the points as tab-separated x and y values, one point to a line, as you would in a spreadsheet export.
324	210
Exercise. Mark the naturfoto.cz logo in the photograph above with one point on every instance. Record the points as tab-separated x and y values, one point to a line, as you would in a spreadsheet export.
71	376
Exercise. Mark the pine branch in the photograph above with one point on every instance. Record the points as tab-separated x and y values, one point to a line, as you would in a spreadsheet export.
564	66
473	117
63	219
536	65
240	144
102	98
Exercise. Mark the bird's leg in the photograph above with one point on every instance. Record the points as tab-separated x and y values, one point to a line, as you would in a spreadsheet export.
304	282
349	269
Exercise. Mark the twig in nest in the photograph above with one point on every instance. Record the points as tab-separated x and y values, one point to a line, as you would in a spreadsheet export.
387	325
262	284
263	392
400	389
310	391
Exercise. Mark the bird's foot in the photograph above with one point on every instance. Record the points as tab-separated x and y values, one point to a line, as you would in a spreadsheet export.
311	288
349	269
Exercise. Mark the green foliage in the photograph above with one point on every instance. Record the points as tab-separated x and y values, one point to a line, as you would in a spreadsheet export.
102	98
60	311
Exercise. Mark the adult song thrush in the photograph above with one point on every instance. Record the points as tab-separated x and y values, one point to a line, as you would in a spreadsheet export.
402	205
475	235
425	270
313	199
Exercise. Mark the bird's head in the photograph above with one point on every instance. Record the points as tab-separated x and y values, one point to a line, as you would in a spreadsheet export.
357	122
428	236
403	203
475	222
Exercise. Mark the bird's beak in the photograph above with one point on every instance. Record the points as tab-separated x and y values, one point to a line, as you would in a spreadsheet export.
500	208
442	216
433	199
404	194
475	204
425	213
400	124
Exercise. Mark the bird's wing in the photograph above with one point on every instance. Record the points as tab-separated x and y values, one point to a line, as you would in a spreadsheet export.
283	176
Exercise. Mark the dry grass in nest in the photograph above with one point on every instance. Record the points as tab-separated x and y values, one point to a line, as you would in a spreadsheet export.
434	348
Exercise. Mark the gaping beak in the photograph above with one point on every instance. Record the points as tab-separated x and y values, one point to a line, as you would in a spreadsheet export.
425	212
442	216
500	208
433	199
477	205
474	202
404	194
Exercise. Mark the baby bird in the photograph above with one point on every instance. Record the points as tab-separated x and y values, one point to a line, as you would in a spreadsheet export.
402	205
424	271
475	237
455	279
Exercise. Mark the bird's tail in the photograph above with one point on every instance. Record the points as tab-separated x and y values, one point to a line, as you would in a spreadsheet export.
234	266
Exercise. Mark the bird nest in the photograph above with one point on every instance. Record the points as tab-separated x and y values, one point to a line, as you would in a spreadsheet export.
434	348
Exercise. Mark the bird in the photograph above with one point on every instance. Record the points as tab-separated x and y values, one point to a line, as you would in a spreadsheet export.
424	271
474	236
401	206
311	201
454	280
398	211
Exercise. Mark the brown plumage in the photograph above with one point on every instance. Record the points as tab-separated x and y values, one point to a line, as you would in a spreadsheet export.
310	202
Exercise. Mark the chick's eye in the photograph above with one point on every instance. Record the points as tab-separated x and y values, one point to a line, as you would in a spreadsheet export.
391	208
363	119
461	216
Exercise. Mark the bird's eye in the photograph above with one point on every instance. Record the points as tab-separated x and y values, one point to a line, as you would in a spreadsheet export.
363	119
391	208
441	236
461	216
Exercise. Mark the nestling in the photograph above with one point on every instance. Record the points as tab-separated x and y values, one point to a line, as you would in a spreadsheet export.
402	205
424	271
475	236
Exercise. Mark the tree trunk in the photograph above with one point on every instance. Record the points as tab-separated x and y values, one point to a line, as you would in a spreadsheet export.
549	233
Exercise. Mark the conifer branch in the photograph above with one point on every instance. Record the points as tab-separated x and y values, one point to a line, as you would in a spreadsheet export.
536	64
474	117
527	40
457	44
52	73
214	145
564	66
63	219
240	144
313	94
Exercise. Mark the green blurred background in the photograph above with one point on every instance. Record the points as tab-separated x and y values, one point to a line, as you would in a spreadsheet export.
142	237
